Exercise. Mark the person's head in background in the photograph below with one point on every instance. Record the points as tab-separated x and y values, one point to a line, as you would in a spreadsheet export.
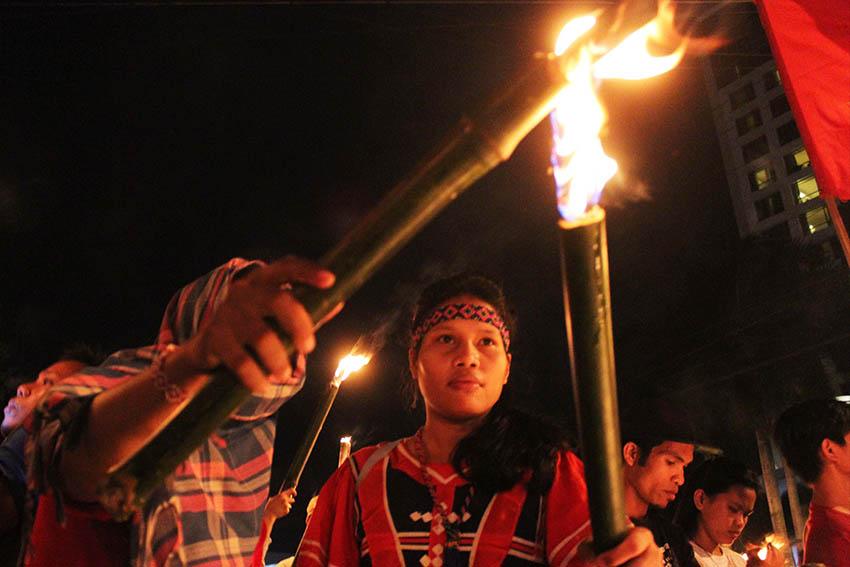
720	503
27	395
658	444
813	437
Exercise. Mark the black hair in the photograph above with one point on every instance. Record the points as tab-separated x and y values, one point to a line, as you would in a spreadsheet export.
511	445
83	353
650	423
437	293
801	429
714	476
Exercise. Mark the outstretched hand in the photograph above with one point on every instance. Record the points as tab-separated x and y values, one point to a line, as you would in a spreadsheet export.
239	335
279	505
637	550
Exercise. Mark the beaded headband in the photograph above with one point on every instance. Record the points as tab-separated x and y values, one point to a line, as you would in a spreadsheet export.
462	311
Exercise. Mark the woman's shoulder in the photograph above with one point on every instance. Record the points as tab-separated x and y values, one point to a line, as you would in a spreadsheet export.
364	459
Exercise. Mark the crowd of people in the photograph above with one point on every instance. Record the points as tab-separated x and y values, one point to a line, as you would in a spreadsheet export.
480	483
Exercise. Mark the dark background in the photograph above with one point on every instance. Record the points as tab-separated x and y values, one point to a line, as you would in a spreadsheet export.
142	146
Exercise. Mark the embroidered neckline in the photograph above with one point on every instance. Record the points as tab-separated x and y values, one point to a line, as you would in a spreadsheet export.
450	521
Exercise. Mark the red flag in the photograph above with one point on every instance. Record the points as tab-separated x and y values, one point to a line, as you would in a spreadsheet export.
810	40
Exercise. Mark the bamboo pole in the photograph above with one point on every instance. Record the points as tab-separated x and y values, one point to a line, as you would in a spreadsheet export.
838	223
794	501
771	489
477	145
587	310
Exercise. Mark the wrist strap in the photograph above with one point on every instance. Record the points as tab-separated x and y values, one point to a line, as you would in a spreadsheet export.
171	392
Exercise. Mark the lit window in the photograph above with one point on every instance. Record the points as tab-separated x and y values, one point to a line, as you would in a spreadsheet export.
787	132
796	160
815	220
748	121
761	178
806	189
755	149
769	206
779	106
742	96
772	79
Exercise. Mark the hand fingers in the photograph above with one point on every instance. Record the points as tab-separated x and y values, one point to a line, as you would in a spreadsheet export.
232	353
294	321
292	269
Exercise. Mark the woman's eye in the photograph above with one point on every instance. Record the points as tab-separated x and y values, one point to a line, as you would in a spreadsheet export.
488	341
444	339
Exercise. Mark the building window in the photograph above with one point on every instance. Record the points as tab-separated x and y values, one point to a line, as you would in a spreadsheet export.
747	122
806	189
815	220
742	96
761	178
769	206
772	79
779	106
796	160
787	132
755	149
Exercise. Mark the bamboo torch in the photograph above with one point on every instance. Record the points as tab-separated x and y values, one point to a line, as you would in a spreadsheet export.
581	170
344	449
478	144
348	365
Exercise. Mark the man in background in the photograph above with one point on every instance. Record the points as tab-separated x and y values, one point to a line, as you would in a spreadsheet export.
814	437
655	455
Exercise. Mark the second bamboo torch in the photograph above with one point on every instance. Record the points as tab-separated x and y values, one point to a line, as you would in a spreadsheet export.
581	170
348	365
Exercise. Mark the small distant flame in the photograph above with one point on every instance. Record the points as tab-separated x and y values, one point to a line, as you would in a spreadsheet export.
350	364
344	449
580	166
770	540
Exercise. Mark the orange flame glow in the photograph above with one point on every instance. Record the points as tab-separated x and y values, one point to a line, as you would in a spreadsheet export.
580	166
348	365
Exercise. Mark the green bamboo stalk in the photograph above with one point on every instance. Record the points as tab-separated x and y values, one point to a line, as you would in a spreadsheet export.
299	460
477	145
587	308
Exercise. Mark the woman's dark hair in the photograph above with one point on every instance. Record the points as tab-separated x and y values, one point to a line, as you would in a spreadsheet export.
714	476
511	444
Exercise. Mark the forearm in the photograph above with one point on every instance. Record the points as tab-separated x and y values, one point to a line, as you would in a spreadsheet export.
120	421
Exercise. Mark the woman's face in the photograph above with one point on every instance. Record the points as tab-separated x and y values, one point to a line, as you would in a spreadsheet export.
461	367
724	515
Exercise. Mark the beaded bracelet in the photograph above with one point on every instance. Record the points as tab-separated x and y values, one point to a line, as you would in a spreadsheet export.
171	392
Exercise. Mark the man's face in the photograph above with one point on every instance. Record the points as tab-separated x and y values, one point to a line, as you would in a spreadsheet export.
21	406
657	482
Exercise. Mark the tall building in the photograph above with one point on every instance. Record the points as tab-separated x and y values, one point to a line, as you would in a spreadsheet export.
773	188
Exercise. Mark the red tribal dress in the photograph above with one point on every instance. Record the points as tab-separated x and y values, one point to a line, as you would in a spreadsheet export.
376	510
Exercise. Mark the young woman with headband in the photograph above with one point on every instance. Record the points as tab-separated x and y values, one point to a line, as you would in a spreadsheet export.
478	484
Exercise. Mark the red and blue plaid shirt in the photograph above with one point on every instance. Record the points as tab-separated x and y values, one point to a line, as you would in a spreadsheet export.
209	511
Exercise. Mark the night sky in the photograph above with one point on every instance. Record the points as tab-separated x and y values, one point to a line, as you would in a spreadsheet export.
142	146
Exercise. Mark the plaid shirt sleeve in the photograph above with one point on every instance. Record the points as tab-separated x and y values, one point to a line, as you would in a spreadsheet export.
209	510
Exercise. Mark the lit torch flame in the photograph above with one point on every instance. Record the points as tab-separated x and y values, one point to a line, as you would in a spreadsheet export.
348	365
770	540
580	166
